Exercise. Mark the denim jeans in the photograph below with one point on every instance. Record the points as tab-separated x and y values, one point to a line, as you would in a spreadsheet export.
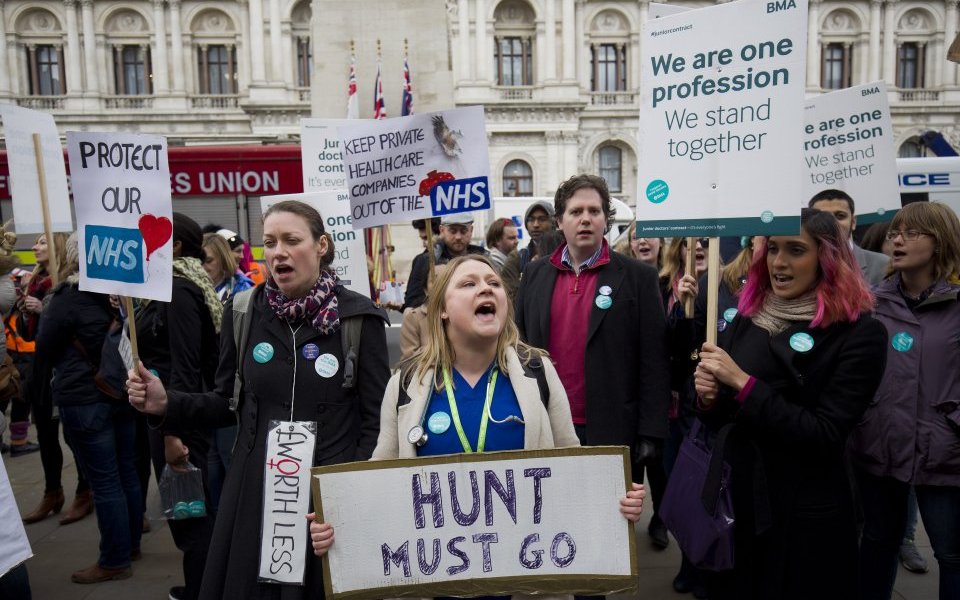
885	521
218	460
103	436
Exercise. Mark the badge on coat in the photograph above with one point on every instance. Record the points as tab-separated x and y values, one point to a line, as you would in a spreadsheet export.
327	365
438	422
801	342
605	290
603	302
902	342
263	352
310	351
729	315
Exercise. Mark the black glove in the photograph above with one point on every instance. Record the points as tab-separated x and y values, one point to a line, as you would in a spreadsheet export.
646	450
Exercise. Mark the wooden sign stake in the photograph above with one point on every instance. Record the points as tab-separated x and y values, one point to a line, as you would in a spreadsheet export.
53	264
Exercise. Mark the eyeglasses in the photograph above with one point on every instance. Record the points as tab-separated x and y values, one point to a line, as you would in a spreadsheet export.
704	242
910	235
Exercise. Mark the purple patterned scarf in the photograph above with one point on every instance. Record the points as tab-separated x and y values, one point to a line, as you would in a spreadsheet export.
319	305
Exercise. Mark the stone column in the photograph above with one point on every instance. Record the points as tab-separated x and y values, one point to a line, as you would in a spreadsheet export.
465	69
950	33
89	47
4	58
243	43
161	72
75	79
889	45
287	74
553	175
583	50
813	45
276	43
540	51
551	40
257	65
569	41
876	6
103	65
484	57
176	46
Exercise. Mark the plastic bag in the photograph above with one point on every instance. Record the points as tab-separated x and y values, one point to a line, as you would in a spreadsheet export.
181	494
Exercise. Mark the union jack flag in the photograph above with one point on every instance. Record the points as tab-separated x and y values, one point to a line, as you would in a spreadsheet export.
407	106
379	106
353	106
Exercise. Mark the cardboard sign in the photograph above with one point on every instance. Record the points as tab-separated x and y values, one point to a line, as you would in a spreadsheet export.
350	262
121	192
424	165
322	158
19	125
483	524
722	88
848	146
657	10
286	498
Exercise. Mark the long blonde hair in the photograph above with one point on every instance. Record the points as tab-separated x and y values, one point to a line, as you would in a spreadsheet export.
437	353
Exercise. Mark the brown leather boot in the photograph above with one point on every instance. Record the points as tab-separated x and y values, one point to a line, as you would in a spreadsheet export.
96	574
51	503
81	507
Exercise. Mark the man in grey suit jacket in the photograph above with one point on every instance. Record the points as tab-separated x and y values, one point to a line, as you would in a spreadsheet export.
873	265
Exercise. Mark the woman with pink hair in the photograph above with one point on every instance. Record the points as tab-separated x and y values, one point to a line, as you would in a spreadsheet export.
793	373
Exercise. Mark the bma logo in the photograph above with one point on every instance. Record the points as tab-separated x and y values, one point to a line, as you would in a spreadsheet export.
870	91
775	6
460	195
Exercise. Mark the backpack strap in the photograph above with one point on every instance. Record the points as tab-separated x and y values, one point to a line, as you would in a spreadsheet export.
241	332
351	329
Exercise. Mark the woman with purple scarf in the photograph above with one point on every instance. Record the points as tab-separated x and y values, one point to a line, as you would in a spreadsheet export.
293	369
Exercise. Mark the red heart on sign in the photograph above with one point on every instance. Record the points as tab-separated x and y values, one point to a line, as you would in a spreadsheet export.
155	231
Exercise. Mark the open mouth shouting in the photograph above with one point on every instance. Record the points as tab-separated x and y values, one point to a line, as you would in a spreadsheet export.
486	311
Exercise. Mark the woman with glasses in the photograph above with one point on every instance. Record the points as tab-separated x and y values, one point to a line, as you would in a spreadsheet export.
475	387
910	434
793	374
646	250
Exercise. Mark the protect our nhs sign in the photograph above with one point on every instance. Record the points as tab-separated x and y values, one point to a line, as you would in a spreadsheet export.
460	195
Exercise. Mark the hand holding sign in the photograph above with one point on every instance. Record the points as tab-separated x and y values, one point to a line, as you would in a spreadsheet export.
155	231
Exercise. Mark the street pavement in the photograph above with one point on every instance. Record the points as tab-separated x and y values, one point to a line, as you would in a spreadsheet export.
61	550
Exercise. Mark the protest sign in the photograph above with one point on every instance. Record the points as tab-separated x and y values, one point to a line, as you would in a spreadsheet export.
322	159
350	259
848	146
722	88
424	165
19	126
545	521
657	10
121	192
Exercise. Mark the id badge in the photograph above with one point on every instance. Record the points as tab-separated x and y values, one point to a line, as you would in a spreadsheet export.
284	541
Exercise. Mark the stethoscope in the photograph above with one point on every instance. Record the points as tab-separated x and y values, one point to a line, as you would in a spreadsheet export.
418	434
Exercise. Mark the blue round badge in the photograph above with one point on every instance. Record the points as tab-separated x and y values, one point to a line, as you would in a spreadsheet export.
766	216
605	290
263	352
438	422
721	325
657	191
801	342
310	351
902	342
729	315
603	302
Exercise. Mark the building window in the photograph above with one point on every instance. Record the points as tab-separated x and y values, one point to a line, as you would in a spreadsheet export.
514	60
609	68
836	66
304	61
517	179
132	70
46	70
611	167
911	149
218	69
910	65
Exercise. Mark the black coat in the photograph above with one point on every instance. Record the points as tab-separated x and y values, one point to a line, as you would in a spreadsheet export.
628	378
348	423
71	315
416	293
796	420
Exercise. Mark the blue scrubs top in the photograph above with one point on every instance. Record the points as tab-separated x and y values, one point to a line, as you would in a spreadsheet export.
470	401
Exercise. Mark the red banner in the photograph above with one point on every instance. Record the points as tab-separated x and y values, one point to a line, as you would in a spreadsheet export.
220	171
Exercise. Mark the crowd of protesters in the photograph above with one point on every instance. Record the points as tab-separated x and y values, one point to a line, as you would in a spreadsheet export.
830	393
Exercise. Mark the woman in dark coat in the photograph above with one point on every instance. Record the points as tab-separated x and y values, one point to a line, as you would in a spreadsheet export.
294	320
794	372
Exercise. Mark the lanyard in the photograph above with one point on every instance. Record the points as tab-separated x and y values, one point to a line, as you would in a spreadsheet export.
484	417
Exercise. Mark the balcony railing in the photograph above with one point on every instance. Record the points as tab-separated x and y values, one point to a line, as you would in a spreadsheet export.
41	102
613	98
516	92
304	93
128	102
919	95
215	101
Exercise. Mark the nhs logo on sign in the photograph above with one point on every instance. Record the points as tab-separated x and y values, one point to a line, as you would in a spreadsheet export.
460	195
114	253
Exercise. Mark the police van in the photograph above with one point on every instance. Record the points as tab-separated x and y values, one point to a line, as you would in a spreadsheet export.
930	179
